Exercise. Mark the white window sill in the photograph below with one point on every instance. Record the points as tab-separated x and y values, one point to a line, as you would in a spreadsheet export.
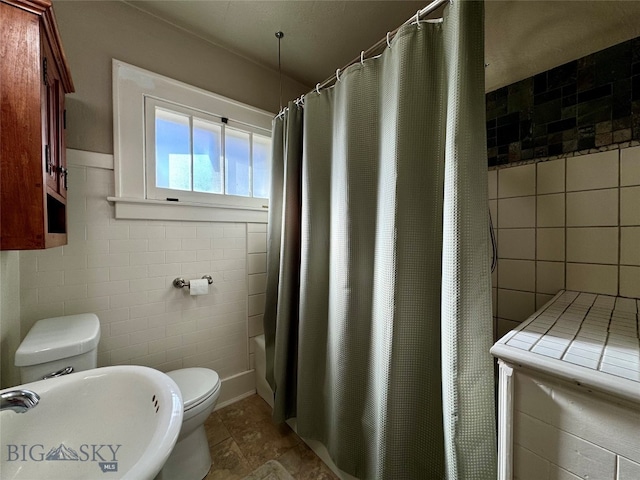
141	209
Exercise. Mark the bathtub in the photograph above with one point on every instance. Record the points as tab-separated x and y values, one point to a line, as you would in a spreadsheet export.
264	390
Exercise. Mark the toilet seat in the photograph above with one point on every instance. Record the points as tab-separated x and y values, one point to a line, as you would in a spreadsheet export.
196	385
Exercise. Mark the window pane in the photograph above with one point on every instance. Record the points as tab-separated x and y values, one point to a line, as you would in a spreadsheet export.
261	166
237	153
173	150
207	158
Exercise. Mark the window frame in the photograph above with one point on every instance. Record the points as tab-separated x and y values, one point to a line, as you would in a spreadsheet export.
131	87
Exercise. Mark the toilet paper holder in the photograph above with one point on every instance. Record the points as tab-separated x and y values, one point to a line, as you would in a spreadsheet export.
181	282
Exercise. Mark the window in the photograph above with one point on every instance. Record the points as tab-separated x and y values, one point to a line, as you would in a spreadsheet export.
198	157
178	148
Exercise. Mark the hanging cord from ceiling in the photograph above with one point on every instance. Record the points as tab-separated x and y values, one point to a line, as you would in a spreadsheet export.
279	35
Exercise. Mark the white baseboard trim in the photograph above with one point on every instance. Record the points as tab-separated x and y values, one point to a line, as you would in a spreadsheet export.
82	158
234	389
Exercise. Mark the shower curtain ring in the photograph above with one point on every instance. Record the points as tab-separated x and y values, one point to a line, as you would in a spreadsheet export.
362	57
318	88
388	42
338	75
418	19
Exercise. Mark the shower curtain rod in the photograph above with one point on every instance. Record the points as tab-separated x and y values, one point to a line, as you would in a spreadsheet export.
420	14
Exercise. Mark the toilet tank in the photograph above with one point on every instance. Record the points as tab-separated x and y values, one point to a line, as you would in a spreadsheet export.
54	344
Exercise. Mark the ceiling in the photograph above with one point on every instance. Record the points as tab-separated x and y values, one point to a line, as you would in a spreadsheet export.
522	37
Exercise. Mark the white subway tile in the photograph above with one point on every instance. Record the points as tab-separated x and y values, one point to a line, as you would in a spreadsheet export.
528	465
256	263
517	243
108	260
168	269
630	281
61	293
550	244
256	305
592	278
630	206
234	231
549	277
589	172
180	256
114	314
211	254
592	245
147	310
106	289
255	325
109	232
493	184
147	284
550	176
257	283
516	275
49	263
518	212
156	244
196	244
196	268
493	211
630	166
113	342
515	305
550	210
128	246
234	264
256	227
517	181
256	242
41	279
148	335
125	354
90	275
230	253
230	242
129	326
179	231
28	295
230	275
127	299
147	231
87	305
147	258
128	273
597	208
630	245
210	231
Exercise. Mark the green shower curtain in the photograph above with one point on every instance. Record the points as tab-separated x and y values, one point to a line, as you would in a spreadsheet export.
378	311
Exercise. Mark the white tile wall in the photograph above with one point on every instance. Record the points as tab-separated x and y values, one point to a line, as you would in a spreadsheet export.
257	268
122	270
566	224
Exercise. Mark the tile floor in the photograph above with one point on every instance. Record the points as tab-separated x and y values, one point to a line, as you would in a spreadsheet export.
242	437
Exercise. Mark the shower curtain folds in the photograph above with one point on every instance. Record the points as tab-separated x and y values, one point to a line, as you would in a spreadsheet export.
378	307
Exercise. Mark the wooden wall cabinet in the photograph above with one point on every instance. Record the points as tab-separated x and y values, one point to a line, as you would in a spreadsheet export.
34	78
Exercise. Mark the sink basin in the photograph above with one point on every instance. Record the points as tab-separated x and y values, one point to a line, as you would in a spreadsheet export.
111	422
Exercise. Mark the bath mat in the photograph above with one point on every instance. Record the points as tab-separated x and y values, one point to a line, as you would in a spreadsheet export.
272	470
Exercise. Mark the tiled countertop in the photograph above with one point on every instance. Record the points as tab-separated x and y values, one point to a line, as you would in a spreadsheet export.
584	338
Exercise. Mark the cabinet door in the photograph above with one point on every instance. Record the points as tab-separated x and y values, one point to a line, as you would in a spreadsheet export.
49	108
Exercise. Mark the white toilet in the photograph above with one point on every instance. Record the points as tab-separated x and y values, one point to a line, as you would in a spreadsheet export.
190	458
58	346
62	345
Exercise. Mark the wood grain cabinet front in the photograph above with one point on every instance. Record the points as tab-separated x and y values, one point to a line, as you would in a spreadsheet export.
34	78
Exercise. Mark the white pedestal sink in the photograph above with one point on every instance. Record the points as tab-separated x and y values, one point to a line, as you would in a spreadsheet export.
113	423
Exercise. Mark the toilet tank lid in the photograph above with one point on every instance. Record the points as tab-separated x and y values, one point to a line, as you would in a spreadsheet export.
56	338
